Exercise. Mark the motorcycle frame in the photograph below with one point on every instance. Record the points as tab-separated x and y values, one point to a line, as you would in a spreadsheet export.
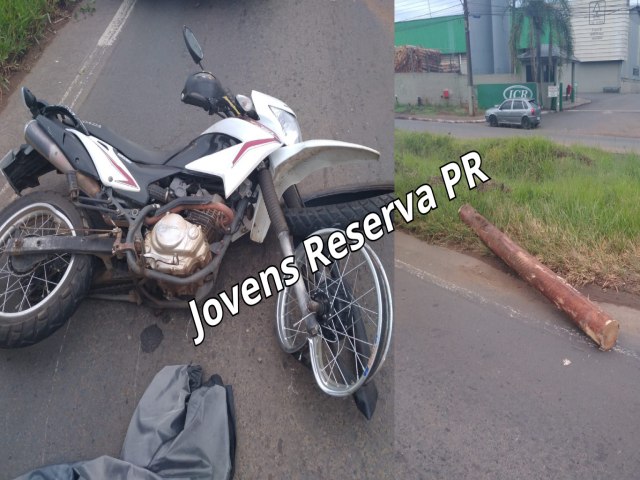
263	146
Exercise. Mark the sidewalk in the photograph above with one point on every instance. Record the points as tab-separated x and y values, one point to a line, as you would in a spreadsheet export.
479	118
492	281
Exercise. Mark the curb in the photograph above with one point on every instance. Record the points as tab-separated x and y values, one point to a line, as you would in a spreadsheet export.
481	120
576	105
437	120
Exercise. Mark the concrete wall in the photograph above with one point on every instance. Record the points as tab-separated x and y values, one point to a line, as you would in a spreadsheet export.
592	77
633	59
429	86
498	78
600	30
630	86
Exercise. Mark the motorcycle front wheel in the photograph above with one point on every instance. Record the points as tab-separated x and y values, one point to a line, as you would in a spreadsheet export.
38	293
355	318
333	209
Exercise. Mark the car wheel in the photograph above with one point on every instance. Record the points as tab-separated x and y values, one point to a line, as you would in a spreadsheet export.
493	121
526	123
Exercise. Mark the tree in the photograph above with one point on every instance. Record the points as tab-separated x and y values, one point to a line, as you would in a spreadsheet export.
552	16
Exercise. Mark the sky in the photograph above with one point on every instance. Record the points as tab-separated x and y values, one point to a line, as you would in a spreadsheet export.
413	9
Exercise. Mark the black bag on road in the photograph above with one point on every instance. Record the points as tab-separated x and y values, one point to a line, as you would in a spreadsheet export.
182	428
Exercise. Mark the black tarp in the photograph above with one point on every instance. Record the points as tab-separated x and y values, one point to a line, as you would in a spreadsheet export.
182	428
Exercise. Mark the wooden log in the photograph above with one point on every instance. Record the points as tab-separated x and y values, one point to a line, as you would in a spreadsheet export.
593	321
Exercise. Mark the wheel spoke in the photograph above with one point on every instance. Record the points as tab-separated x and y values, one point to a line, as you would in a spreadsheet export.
353	323
24	290
359	340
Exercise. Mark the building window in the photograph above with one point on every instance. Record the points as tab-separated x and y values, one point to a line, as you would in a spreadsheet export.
544	75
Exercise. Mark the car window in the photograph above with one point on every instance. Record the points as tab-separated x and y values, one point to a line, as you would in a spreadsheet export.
506	105
518	105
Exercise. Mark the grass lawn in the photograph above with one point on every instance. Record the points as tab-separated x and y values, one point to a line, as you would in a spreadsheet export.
22	22
576	209
430	110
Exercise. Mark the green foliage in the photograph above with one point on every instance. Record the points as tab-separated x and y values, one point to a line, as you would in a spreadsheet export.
87	8
574	208
22	22
532	18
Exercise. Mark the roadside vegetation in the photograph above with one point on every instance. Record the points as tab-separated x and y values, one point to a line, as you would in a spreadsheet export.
576	209
23	23
430	110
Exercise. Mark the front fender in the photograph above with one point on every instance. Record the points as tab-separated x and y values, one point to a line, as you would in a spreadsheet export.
290	165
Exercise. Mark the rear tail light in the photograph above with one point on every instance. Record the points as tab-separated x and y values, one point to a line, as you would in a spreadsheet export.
533	111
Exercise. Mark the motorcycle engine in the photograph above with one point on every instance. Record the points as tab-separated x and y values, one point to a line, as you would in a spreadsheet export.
176	246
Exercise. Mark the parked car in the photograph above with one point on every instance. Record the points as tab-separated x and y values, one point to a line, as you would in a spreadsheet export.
523	112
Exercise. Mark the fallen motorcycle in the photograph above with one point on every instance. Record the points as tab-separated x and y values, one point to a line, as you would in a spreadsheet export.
157	225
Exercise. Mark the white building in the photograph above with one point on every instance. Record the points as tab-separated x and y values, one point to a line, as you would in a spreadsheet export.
606	43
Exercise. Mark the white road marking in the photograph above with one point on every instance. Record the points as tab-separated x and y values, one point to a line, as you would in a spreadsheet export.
602	111
115	26
512	312
91	62
468	294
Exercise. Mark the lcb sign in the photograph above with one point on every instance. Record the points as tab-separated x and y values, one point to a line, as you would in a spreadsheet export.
517	91
490	94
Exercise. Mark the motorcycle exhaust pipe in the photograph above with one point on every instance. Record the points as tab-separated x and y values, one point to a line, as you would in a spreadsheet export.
35	136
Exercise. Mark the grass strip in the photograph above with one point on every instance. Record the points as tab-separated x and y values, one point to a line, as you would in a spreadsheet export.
577	209
22	24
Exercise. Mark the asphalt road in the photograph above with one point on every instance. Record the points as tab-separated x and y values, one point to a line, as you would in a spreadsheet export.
492	382
71	396
609	122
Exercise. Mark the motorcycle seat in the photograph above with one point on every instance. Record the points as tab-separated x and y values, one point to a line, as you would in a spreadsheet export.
131	150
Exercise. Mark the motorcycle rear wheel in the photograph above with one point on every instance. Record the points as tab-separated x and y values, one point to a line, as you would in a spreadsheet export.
38	293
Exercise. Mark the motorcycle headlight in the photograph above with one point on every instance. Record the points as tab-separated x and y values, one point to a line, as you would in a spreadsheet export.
289	125
245	103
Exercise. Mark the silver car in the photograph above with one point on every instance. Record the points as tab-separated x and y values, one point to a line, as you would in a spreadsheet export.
523	112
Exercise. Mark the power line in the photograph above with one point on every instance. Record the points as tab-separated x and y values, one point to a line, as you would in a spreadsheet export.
576	11
421	7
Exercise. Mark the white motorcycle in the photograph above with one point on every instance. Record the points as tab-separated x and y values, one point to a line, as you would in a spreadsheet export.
156	225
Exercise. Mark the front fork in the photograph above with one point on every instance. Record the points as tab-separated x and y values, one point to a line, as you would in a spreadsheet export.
308	307
279	223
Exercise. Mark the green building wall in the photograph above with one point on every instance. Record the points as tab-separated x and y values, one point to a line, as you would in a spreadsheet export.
441	33
445	34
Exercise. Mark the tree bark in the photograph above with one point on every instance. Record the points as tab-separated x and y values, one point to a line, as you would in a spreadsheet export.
599	326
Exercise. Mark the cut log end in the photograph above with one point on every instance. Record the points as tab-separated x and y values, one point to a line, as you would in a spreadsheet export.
588	316
609	335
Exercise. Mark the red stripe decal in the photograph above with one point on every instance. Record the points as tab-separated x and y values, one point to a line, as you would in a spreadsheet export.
251	144
128	180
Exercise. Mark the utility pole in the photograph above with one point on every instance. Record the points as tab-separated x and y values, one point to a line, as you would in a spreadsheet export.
469	69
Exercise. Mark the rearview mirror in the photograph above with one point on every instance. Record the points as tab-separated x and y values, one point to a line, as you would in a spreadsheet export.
195	50
28	98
